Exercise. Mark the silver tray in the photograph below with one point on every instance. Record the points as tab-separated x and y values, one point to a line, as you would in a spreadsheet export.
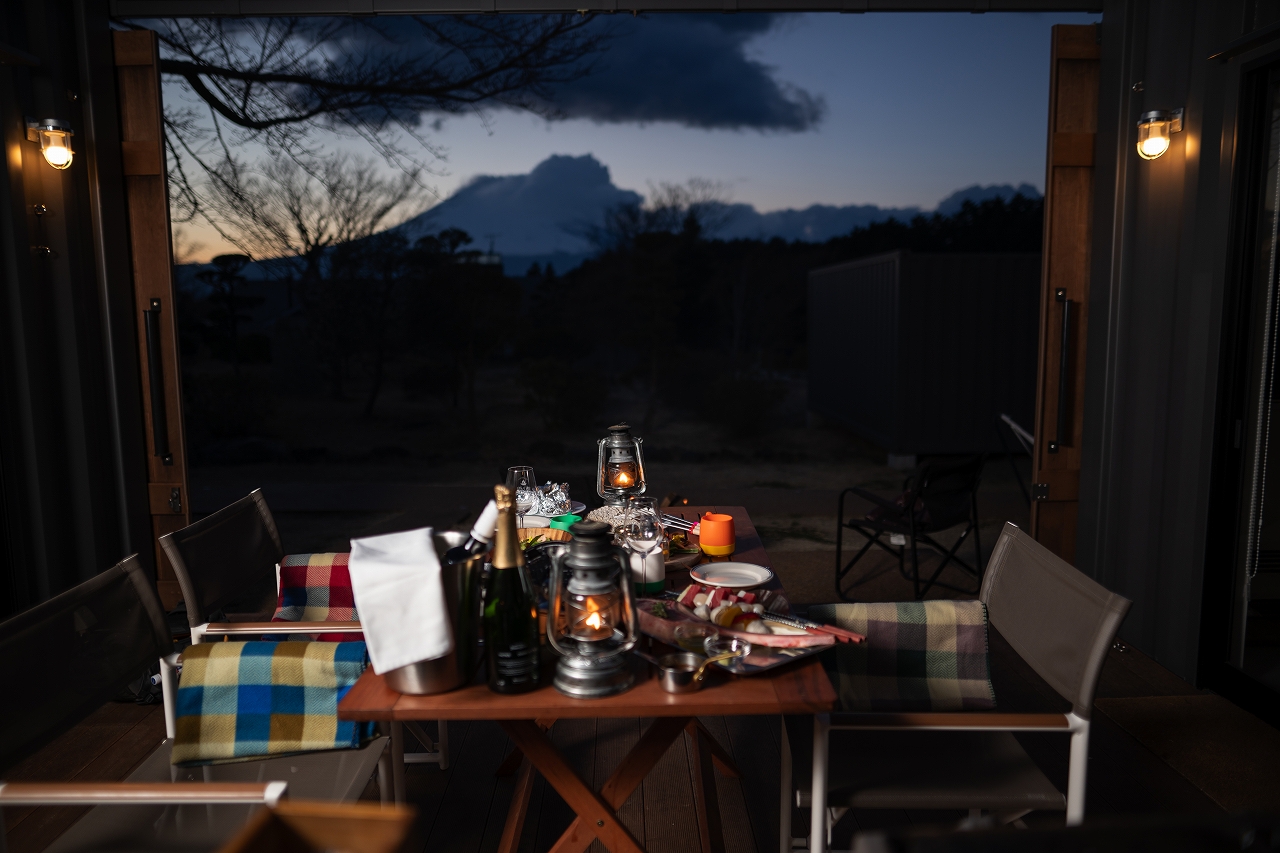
767	657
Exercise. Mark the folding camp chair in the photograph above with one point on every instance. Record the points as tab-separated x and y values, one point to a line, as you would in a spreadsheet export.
939	495
228	566
103	635
1058	620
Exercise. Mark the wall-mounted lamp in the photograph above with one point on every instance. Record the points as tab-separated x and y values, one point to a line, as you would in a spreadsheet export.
54	136
1154	129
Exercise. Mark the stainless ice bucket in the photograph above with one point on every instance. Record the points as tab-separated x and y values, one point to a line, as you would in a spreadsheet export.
462	593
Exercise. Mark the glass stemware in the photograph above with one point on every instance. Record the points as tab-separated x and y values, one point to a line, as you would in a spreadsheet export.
642	535
524	487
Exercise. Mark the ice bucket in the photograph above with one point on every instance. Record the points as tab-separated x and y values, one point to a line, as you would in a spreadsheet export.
462	592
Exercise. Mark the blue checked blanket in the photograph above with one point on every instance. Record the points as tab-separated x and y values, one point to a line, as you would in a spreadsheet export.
919	656
238	701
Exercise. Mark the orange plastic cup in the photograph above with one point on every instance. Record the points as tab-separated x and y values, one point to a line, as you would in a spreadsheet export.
716	535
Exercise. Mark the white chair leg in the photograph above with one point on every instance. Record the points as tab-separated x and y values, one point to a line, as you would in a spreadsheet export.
818	802
787	792
442	744
1077	771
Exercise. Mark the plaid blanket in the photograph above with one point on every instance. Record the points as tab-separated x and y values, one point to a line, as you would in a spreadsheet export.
919	656
238	701
317	588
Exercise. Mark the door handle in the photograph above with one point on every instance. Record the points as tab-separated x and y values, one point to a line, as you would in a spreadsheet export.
1064	354
155	376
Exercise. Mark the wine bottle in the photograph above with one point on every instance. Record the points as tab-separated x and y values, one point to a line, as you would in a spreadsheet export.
510	611
480	539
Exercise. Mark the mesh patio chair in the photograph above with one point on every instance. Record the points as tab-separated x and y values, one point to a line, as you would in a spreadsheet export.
229	568
1059	621
104	634
939	495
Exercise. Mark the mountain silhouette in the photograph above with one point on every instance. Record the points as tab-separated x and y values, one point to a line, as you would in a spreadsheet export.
542	216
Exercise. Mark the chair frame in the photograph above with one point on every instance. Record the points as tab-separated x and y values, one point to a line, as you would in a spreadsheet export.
820	824
435	751
1075	723
905	516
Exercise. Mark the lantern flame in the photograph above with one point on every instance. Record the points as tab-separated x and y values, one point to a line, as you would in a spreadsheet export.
594	621
622	478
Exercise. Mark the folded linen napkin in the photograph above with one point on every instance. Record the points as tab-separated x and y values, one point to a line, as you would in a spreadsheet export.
240	701
400	595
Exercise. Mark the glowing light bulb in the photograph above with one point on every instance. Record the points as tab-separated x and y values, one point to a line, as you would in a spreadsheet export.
1154	130
54	136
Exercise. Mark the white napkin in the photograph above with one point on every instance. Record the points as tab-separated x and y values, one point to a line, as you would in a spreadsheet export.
400	598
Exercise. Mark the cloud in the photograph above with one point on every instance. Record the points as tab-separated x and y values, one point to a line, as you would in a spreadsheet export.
688	69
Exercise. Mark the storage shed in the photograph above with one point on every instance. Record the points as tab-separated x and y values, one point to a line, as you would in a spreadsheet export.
922	353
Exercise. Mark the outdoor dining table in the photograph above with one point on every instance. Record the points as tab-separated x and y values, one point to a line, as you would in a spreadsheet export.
798	688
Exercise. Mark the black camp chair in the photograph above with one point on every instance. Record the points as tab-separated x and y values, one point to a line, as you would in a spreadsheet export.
65	658
939	494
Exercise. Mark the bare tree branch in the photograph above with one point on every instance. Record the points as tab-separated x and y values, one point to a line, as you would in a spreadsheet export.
282	84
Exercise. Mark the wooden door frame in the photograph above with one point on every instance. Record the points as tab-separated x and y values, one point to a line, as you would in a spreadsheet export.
137	61
1075	66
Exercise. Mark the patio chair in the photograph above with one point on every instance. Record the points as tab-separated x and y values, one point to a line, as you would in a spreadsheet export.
939	495
1059	621
101	636
229	567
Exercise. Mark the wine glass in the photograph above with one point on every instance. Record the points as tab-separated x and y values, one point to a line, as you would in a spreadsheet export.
524	489
642	529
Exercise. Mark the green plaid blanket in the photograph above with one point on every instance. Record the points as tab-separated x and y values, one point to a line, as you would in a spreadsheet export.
238	701
919	656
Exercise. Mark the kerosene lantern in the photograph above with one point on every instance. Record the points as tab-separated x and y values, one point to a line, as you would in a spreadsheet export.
591	621
620	470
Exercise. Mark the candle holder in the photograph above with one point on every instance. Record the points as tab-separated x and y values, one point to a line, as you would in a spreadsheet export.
620	466
591	621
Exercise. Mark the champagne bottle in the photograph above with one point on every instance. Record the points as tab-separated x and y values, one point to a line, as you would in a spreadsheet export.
465	562
510	611
480	539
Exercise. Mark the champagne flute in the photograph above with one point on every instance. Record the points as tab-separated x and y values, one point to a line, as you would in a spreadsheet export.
524	486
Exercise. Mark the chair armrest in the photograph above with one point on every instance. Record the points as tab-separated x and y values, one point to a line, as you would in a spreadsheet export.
139	793
248	629
958	721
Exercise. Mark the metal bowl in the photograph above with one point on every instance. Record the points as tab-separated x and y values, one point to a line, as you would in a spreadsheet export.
676	671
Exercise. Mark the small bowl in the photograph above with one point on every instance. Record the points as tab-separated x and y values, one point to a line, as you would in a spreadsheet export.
676	671
564	522
692	636
718	645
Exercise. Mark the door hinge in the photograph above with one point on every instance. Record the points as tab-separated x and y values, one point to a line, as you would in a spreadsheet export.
175	499
1040	491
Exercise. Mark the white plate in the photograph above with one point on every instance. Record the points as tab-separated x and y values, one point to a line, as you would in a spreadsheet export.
733	575
577	508
530	522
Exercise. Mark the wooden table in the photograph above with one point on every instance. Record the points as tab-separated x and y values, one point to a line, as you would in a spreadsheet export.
802	688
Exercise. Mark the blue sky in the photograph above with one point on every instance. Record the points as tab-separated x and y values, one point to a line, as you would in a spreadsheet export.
888	109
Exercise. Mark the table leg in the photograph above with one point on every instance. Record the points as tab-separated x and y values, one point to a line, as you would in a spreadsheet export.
818	784
511	763
710	826
628	775
587	804
397	762
519	809
720	755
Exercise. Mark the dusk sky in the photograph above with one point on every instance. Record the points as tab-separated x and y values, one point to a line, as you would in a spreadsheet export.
787	110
